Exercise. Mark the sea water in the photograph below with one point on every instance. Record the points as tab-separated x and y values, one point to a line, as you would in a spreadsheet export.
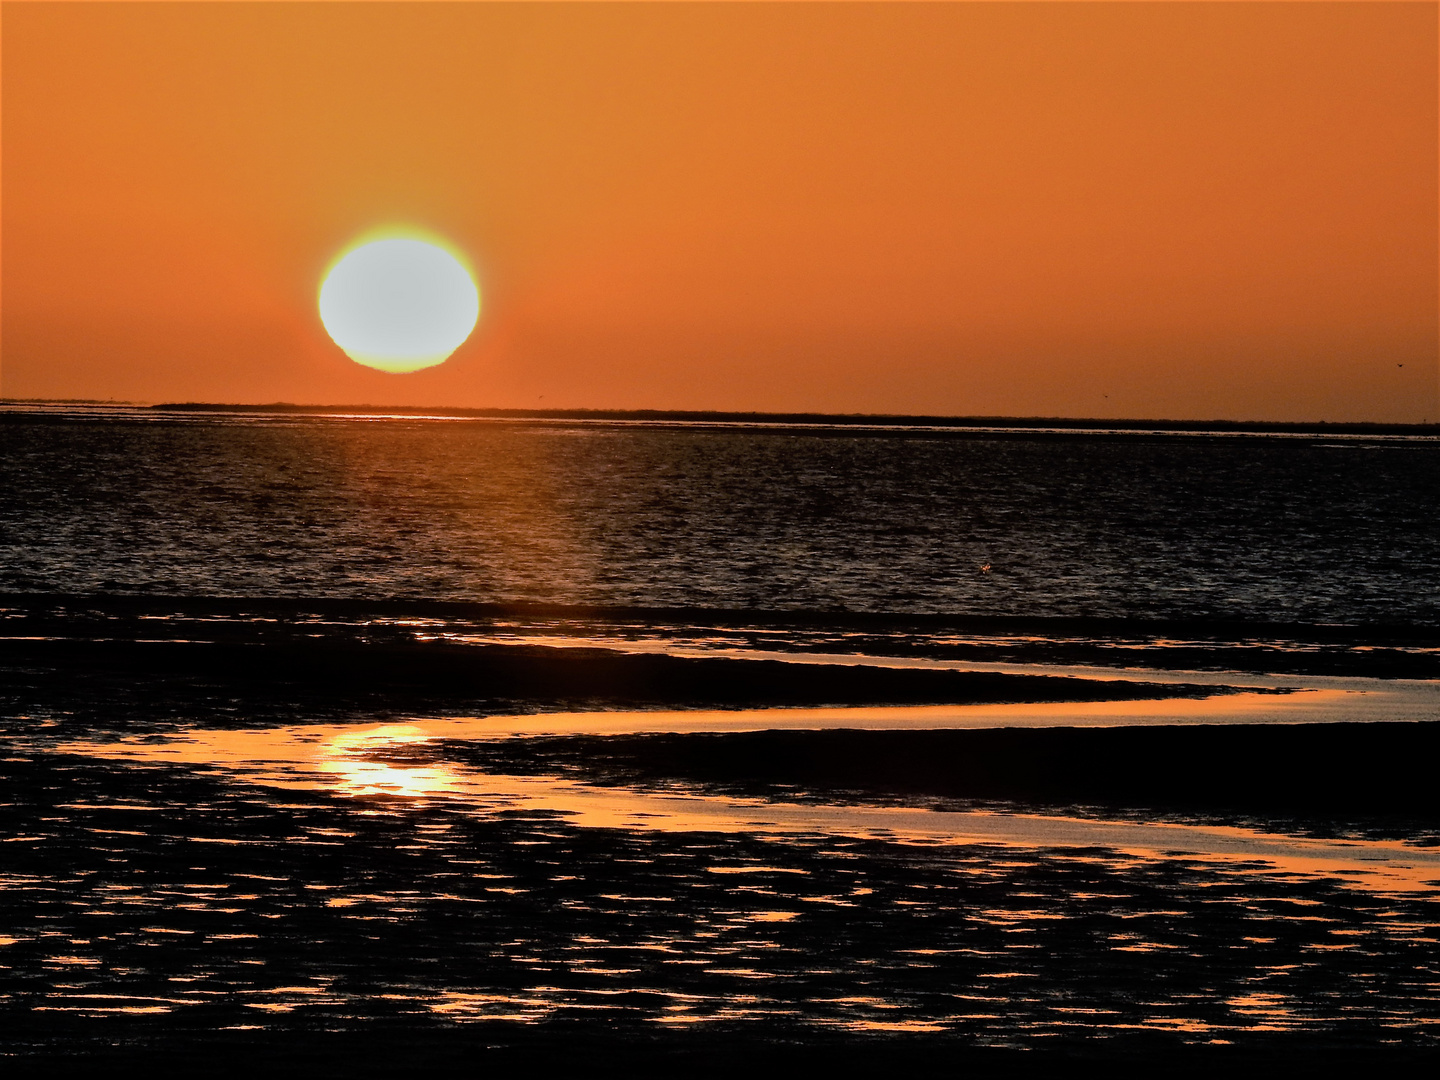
1311	529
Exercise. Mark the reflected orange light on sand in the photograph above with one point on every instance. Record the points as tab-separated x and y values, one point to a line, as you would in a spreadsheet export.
344	759
349	761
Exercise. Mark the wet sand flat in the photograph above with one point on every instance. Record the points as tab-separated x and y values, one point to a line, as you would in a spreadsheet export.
304	846
263	884
938	786
190	902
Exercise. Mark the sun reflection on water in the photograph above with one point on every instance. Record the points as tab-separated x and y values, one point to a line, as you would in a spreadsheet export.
367	763
348	759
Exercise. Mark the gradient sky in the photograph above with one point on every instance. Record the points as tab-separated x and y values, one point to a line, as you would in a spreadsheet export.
1087	209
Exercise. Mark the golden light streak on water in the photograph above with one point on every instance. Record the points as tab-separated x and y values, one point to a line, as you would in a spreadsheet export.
342	760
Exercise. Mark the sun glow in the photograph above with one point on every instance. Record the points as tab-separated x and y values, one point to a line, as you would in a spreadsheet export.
399	303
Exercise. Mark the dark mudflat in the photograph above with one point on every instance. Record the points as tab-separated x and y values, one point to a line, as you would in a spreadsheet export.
561	1049
1376	651
338	675
286	930
298	932
1373	771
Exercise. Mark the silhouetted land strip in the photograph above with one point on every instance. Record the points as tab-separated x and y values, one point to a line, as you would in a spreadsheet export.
1364	770
693	416
890	424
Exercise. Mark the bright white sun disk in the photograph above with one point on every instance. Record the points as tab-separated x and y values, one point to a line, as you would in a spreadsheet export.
399	304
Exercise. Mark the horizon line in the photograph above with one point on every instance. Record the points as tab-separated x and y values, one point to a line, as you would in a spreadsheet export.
793	417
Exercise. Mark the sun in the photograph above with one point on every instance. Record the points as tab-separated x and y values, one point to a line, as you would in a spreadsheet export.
399	303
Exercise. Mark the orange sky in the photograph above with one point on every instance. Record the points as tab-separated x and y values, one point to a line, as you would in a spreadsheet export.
1199	210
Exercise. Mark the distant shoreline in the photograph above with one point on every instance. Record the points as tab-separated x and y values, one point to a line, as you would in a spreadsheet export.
761	419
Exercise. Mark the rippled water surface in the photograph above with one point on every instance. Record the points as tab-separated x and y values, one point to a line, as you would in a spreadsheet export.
1307	529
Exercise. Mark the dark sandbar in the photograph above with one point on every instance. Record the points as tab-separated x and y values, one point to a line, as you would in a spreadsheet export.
1364	771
